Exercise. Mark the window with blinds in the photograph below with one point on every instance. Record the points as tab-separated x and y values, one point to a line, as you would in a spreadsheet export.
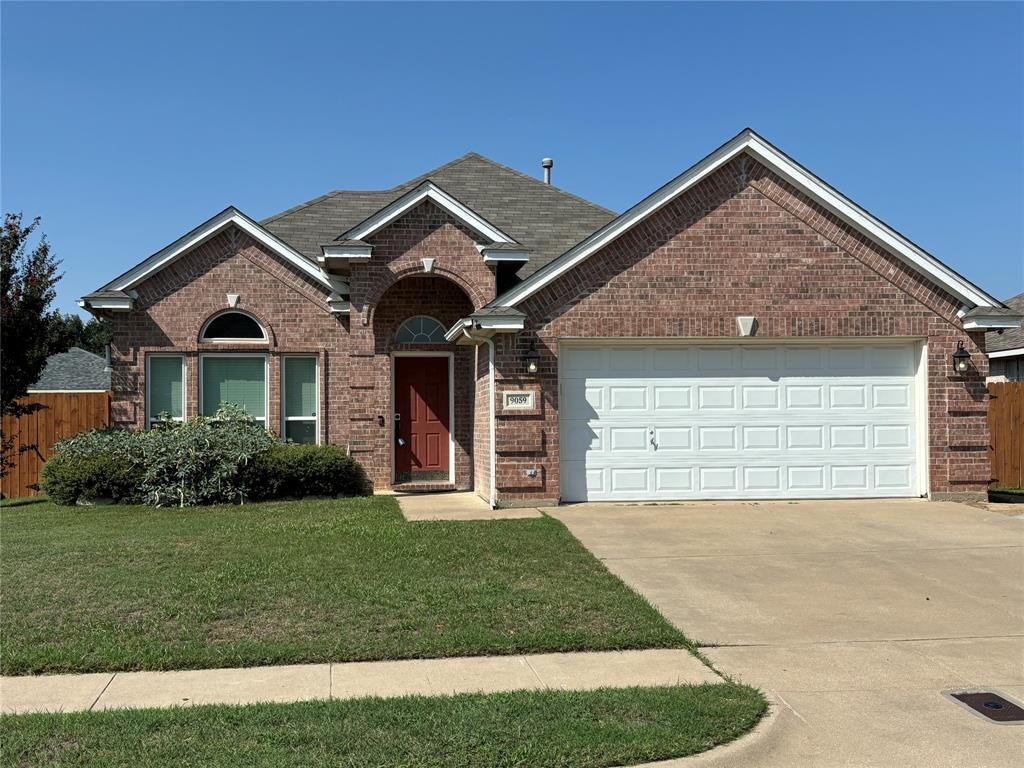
235	379
165	388
300	396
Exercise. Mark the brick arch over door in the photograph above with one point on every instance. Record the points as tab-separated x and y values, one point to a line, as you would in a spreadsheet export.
474	294
432	295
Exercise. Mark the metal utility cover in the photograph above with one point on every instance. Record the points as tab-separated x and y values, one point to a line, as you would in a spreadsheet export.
990	705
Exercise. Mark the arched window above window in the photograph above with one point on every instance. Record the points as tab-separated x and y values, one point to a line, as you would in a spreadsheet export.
420	330
233	326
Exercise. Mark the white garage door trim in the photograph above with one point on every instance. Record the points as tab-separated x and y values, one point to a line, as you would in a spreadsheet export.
619	467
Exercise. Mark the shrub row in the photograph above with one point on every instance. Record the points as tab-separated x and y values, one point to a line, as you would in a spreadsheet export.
205	460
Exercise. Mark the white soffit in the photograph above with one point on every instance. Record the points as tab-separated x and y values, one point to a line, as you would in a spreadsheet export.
203	232
414	197
748	141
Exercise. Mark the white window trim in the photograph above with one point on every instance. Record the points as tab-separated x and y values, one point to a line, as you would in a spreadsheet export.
284	393
451	409
265	420
151	417
206	326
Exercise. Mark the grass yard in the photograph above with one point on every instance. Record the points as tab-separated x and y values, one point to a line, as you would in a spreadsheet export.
129	588
568	729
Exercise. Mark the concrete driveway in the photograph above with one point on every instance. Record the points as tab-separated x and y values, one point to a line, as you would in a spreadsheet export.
852	615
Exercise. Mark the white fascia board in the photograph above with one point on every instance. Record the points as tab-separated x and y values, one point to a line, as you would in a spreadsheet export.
492	257
456	331
483	328
114	305
990	323
1007	353
346	253
750	142
197	236
442	199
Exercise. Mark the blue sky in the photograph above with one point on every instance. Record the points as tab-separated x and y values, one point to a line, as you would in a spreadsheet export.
126	124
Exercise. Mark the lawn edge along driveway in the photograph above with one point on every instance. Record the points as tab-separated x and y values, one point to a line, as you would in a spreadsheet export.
570	729
135	588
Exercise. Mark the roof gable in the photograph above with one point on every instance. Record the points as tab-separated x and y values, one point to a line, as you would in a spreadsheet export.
426	191
749	142
544	219
119	292
228	217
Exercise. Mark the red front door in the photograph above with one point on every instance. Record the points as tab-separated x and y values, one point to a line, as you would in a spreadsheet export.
422	419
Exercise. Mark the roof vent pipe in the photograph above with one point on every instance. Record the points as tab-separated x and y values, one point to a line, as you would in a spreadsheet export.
546	164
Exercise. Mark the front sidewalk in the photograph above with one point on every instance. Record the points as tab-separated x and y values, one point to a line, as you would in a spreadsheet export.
424	677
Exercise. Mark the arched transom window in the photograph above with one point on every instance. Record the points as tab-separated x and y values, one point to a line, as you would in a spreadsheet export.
233	326
420	330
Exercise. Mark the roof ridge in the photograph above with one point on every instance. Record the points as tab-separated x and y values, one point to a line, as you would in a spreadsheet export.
334	193
415	180
300	206
537	181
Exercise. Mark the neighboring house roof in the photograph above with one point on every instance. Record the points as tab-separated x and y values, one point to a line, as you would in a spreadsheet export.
544	219
763	151
1011	339
75	369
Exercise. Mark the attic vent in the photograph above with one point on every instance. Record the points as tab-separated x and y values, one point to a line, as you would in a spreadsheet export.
547	164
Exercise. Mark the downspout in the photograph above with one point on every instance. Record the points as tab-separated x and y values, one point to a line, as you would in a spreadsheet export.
493	501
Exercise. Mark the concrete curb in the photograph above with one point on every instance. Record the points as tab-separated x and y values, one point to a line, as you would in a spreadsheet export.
738	752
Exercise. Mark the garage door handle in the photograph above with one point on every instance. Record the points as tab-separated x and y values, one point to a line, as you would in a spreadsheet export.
653	442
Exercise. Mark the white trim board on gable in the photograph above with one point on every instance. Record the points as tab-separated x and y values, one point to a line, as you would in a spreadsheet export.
760	149
426	190
205	231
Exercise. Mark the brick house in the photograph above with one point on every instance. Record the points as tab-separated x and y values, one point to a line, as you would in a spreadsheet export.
743	332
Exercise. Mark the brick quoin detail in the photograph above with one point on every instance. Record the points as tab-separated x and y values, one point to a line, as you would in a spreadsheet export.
743	242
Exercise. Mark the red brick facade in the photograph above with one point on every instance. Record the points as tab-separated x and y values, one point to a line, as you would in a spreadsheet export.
741	242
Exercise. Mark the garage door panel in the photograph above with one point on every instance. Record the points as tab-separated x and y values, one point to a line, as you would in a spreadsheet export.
732	422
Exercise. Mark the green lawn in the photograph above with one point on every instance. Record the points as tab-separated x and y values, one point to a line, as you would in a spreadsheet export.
531	729
126	588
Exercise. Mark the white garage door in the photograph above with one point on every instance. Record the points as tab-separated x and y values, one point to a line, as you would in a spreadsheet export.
744	421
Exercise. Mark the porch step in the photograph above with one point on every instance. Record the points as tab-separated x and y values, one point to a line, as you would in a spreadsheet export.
423	487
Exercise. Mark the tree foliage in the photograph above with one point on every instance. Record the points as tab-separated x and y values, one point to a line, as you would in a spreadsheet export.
28	276
71	331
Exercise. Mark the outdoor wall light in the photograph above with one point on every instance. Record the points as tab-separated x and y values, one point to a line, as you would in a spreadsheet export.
531	358
961	359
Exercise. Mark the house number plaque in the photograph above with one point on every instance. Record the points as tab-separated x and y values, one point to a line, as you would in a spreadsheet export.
517	401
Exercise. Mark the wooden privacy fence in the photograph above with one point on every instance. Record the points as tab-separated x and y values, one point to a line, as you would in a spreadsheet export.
65	414
1006	424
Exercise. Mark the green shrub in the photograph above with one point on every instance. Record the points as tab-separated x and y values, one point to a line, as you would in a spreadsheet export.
205	460
77	476
305	470
200	461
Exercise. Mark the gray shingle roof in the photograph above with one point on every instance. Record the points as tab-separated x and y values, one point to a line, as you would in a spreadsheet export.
1010	339
545	219
74	369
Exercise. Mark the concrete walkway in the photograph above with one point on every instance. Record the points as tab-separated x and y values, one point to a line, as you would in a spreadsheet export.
457	505
853	616
424	677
